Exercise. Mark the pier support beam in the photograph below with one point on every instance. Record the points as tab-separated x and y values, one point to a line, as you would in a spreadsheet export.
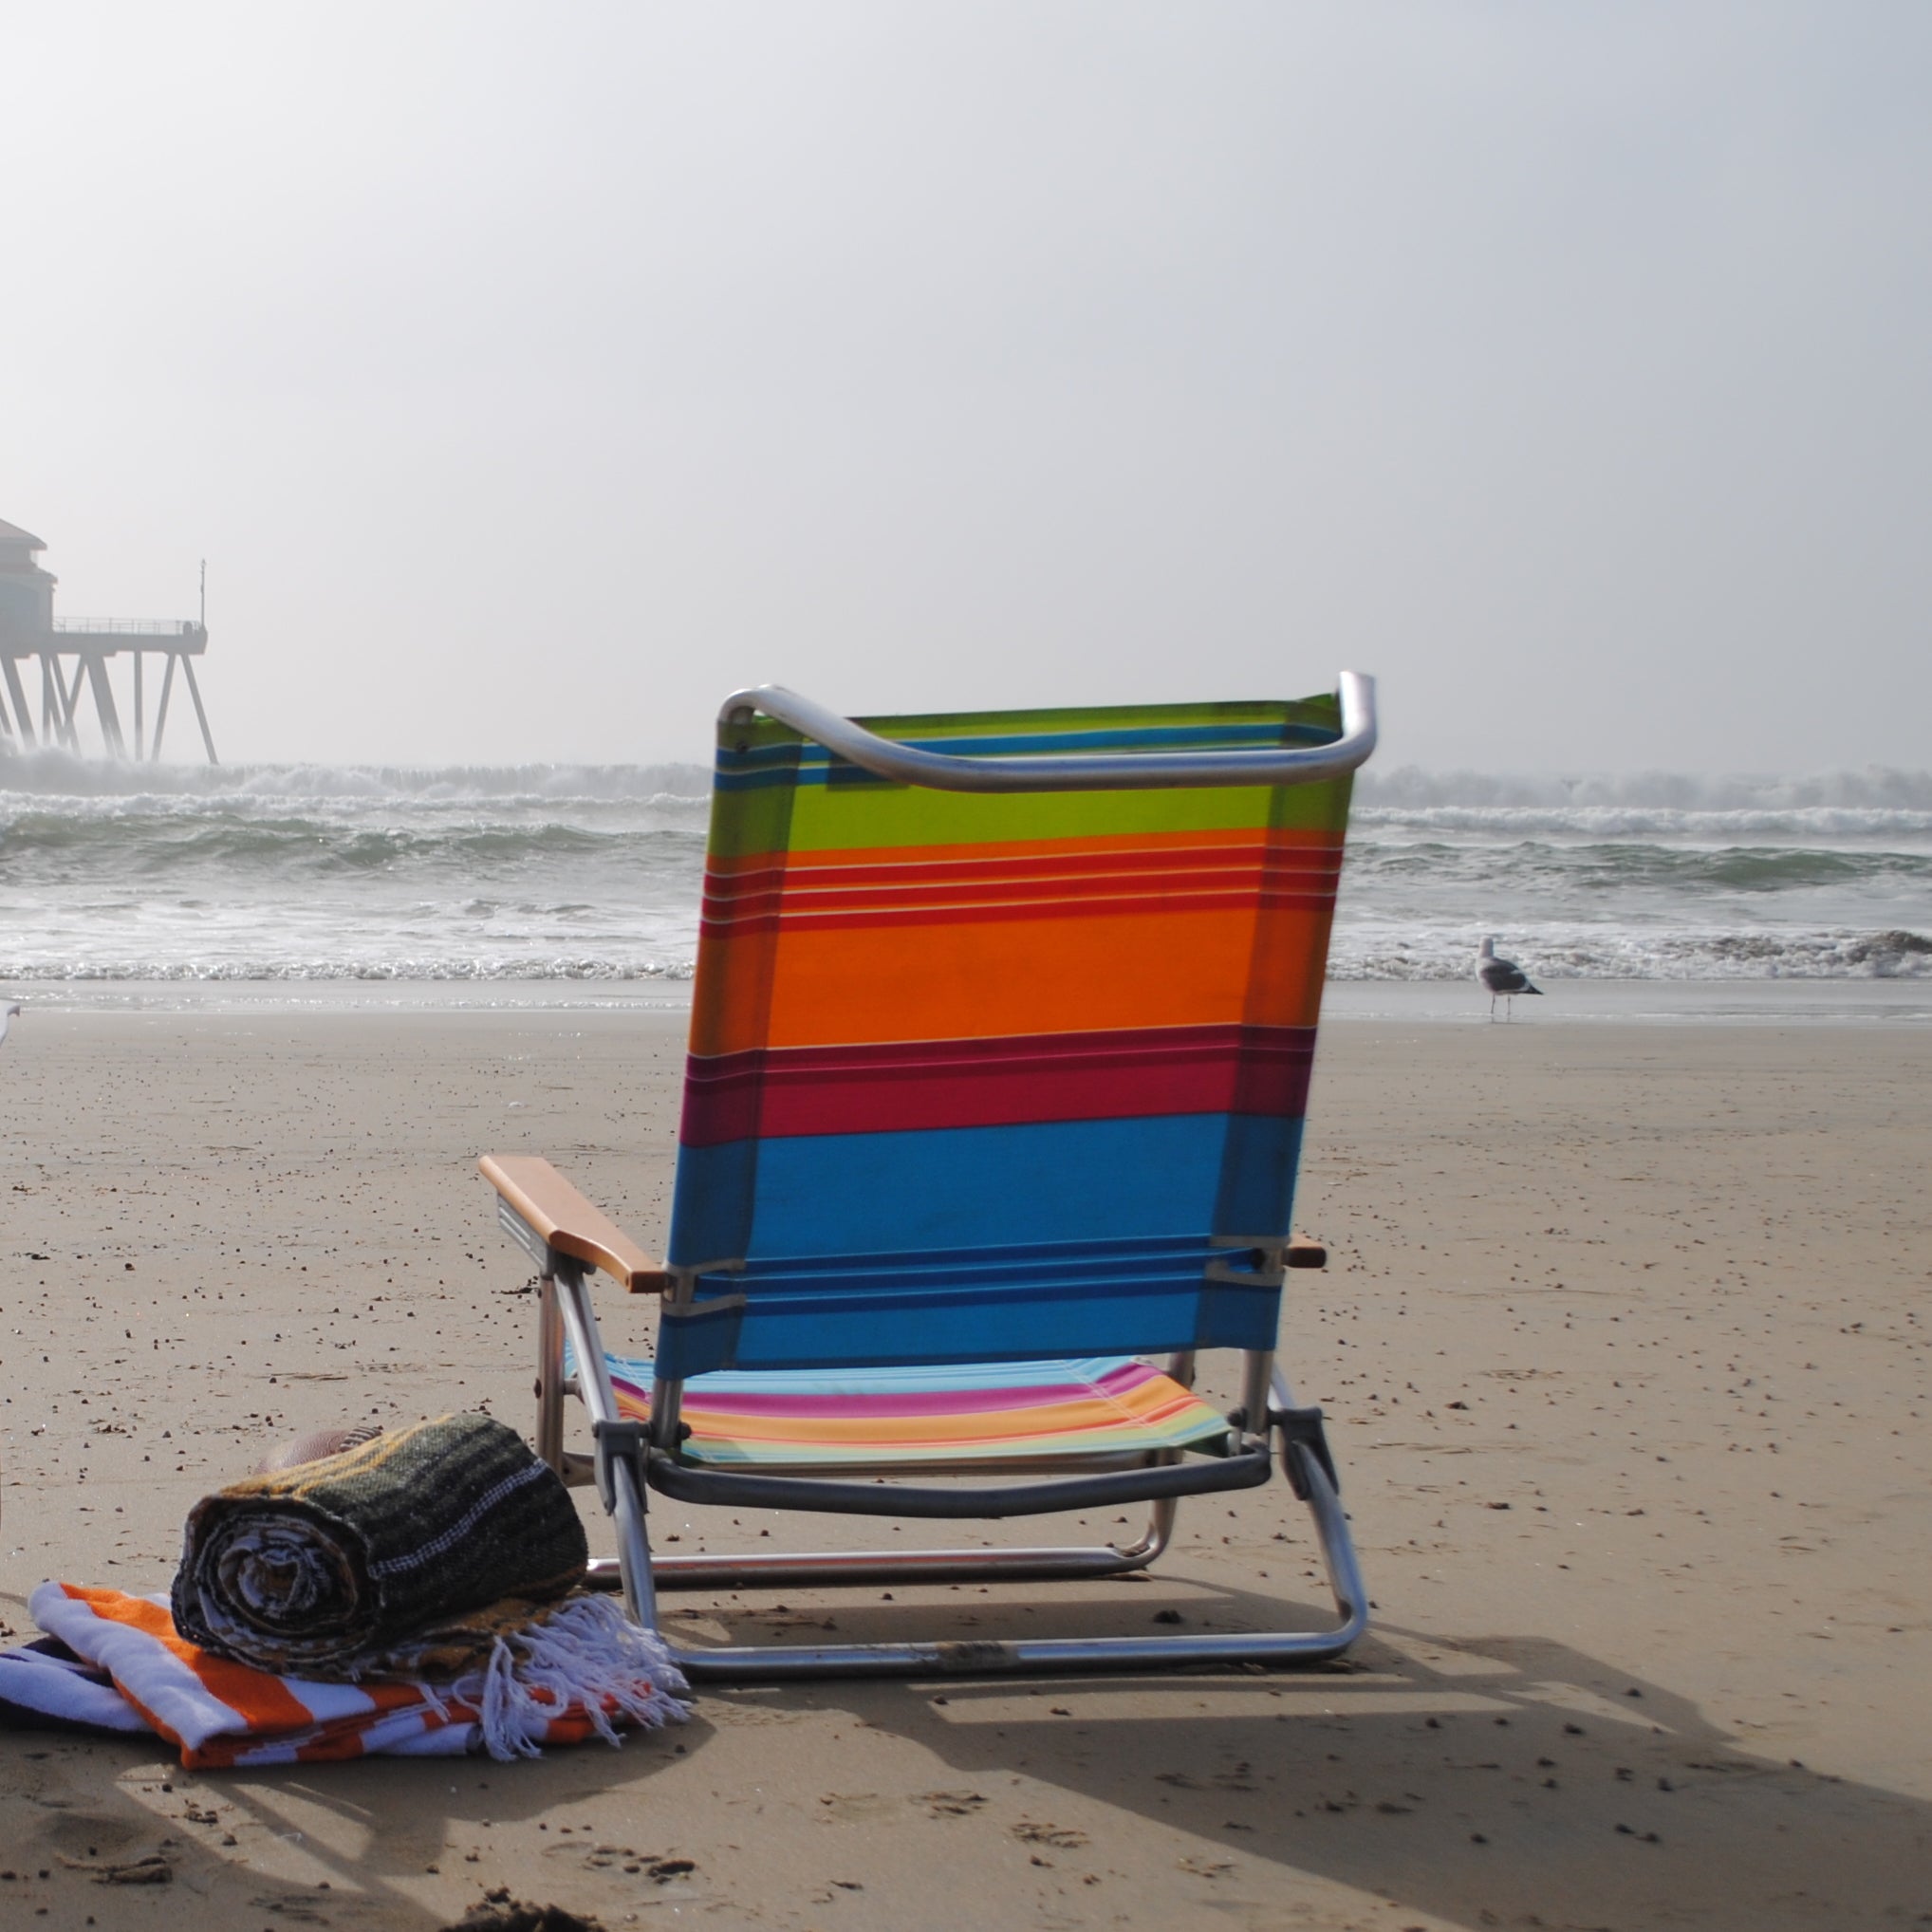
200	715
96	664
89	648
16	693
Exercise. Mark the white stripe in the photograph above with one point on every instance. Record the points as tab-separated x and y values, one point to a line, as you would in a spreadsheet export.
153	1675
329	1702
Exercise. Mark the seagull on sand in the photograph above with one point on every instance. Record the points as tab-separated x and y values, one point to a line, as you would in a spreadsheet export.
7	1014
1503	978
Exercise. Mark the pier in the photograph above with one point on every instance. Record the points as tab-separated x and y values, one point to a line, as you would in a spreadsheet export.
76	661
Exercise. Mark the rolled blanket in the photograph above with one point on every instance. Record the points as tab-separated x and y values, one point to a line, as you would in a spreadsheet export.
330	1568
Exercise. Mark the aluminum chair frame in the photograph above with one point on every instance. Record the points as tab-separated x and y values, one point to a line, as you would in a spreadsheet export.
568	1239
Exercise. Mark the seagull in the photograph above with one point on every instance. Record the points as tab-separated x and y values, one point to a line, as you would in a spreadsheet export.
7	1014
1503	978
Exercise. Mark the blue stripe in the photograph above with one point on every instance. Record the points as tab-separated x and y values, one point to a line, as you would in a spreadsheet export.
975	1377
994	1267
954	1188
1023	1322
811	764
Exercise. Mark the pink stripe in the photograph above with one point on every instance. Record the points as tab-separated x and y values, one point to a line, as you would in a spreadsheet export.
699	1401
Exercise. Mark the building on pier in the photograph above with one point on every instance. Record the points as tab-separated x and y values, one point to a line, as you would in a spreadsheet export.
76	658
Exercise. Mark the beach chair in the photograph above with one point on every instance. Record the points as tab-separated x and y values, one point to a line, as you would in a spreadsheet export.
999	1048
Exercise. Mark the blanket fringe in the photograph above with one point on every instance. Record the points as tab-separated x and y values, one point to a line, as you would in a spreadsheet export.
589	1654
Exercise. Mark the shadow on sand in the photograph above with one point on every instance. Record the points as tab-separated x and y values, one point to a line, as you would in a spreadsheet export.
358	1845
1488	1781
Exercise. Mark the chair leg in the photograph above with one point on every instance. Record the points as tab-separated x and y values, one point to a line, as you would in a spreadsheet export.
756	1664
633	1540
743	1664
549	1375
1158	1533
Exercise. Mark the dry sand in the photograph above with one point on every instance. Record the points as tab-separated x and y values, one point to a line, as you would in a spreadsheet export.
1624	1346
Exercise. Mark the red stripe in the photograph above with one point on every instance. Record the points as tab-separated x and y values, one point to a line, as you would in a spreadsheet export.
1061	866
1032	855
1153	887
729	898
1166	905
908	1086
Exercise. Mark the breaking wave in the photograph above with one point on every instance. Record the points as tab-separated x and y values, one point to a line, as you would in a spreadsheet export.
559	874
1875	788
56	774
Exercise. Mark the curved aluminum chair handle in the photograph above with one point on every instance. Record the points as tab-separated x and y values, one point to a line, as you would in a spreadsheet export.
1076	772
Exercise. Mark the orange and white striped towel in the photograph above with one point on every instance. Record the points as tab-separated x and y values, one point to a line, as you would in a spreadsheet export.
571	1672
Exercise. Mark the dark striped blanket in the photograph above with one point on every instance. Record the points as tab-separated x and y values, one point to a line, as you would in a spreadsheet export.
330	1569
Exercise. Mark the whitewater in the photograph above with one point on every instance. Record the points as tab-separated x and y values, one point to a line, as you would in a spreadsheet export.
588	877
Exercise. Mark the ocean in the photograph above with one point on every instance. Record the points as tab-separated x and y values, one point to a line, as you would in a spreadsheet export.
147	885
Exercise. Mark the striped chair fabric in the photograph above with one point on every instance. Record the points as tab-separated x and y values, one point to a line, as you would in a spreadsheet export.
991	1079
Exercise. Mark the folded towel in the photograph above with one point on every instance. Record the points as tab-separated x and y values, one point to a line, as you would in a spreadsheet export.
331	1569
44	1687
554	1675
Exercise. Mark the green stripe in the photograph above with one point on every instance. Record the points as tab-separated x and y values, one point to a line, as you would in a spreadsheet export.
871	813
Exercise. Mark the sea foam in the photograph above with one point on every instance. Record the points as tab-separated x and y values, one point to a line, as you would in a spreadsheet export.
590	875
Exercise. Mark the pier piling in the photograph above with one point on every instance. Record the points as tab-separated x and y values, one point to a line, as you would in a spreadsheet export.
74	656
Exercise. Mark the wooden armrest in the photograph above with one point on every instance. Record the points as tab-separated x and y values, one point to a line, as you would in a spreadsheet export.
1303	1252
568	1223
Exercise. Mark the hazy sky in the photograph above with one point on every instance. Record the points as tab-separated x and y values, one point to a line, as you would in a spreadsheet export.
531	375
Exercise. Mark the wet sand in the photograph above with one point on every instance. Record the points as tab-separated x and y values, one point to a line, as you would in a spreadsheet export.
1624	1346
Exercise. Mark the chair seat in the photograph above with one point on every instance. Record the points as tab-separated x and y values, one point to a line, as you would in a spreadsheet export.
976	1414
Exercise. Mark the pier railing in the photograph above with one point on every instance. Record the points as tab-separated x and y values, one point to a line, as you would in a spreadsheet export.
130	626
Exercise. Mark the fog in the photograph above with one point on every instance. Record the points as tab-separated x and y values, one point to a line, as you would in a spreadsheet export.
531	376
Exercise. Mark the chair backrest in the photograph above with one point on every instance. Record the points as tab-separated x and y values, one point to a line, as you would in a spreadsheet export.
978	1077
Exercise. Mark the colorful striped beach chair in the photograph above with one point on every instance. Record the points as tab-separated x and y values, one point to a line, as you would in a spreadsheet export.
1000	1050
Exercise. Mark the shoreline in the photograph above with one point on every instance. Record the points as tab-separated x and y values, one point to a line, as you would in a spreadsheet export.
1875	1002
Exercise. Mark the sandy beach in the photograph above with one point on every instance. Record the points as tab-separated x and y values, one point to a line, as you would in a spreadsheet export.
1624	1348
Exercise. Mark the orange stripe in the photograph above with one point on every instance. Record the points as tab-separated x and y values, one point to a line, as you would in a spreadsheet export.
263	1700
999	977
